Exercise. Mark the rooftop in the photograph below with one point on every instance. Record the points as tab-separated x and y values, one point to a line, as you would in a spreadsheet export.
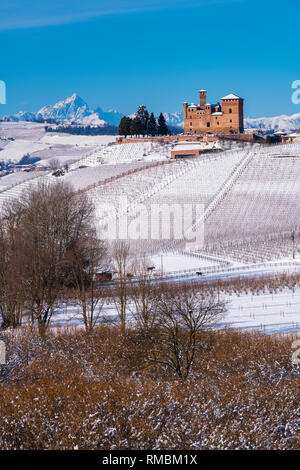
231	96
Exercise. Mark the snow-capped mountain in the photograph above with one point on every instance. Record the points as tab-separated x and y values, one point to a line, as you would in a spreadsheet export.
24	116
111	116
282	123
174	119
72	108
92	120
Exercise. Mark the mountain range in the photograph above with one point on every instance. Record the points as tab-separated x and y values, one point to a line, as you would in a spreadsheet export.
282	123
75	109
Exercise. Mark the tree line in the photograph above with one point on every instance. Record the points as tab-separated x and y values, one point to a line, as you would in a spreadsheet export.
74	129
143	124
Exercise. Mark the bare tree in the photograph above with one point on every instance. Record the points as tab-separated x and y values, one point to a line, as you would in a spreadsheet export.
85	258
11	295
121	260
143	295
48	218
183	315
54	164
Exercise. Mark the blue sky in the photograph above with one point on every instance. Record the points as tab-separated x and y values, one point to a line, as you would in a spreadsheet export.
119	54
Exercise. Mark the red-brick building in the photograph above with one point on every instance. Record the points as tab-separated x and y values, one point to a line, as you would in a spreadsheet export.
224	118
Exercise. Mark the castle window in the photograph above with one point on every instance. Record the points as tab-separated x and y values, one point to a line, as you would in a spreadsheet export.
208	124
191	123
230	120
230	111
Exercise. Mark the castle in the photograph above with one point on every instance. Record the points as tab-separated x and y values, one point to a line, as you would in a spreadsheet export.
224	118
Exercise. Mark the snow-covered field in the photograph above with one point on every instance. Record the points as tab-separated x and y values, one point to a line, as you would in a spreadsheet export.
77	140
22	130
176	261
14	179
31	138
15	150
269	313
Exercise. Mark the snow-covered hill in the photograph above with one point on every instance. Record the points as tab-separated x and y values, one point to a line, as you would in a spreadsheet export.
277	123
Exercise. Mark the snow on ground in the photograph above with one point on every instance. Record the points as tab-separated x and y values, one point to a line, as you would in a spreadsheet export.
175	261
68	151
62	159
22	130
16	149
13	179
83	177
77	140
3	143
20	138
269	313
157	156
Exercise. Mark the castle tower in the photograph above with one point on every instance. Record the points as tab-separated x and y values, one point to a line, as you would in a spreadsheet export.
185	106
202	98
233	111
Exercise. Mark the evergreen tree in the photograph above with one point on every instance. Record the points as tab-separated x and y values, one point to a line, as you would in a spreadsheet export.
152	125
136	127
143	115
162	126
127	125
122	126
146	122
